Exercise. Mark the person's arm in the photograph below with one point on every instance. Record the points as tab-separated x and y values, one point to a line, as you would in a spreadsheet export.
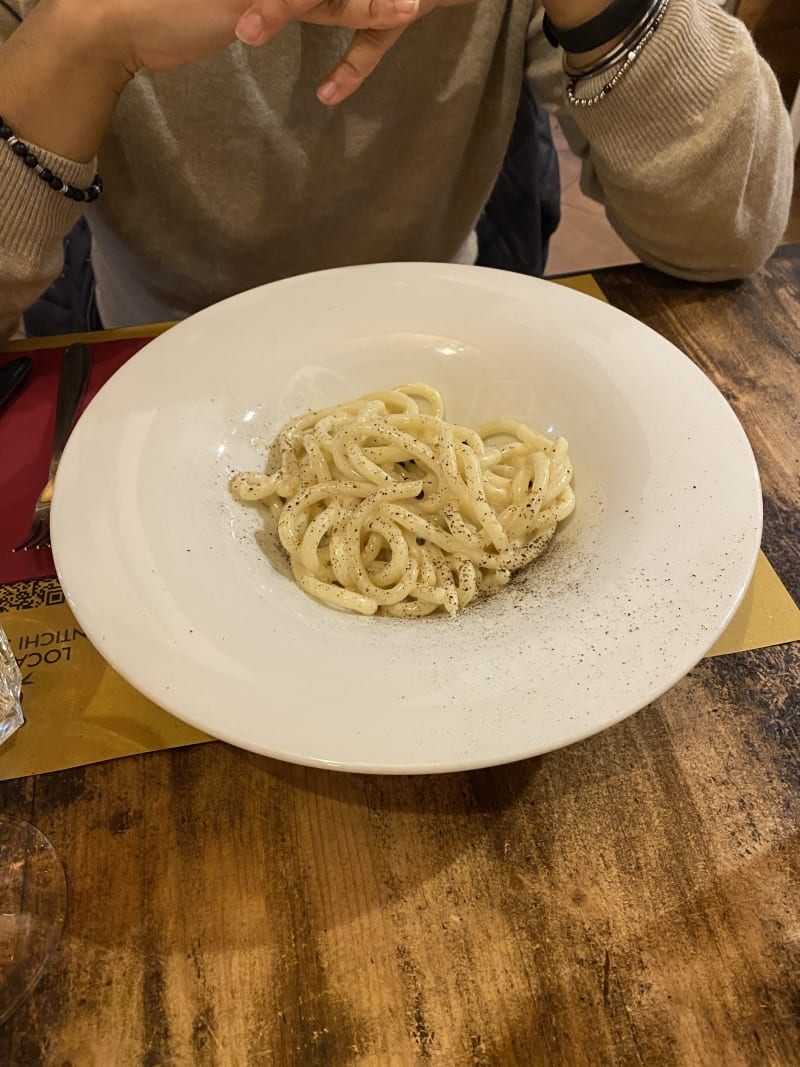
59	81
62	70
47	59
691	153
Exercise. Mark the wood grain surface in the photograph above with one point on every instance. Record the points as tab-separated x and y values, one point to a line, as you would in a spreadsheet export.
629	900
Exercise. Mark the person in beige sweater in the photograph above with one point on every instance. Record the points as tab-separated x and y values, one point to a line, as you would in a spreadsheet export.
229	164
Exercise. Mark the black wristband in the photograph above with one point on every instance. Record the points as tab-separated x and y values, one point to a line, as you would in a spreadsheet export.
610	23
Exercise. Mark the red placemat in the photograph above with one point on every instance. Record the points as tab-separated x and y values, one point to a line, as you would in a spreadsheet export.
26	437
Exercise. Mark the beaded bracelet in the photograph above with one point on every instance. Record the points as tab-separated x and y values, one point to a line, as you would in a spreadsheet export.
632	47
72	192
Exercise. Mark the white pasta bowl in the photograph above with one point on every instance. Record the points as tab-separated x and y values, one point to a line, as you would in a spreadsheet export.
167	574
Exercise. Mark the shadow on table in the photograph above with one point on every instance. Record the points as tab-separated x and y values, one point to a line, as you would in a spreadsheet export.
488	790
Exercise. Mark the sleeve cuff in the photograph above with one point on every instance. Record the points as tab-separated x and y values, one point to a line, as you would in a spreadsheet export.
34	215
665	97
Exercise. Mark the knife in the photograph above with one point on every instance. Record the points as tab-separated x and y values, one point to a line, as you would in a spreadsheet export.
12	375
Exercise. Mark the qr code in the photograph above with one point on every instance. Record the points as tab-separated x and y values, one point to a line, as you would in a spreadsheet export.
36	593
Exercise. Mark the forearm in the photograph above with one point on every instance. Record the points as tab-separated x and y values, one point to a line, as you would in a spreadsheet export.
58	88
691	152
34	219
59	83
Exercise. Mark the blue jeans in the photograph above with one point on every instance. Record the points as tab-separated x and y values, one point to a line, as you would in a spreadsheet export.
69	304
524	208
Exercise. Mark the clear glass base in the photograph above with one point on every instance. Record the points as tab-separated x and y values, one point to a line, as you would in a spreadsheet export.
33	896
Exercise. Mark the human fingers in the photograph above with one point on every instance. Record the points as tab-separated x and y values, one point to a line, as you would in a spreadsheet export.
365	52
264	19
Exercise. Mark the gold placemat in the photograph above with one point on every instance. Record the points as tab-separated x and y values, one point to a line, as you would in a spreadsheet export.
582	283
124	333
767	615
78	710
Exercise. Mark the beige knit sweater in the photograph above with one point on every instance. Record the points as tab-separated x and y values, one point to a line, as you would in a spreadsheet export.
228	173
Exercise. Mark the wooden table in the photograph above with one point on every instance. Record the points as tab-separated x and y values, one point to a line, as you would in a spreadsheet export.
632	899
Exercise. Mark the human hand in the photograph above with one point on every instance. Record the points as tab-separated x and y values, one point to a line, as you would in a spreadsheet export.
378	25
166	34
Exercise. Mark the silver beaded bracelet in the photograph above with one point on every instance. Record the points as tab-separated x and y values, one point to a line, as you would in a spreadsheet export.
625	54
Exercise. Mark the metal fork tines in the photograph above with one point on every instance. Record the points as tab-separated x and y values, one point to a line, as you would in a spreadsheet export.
75	368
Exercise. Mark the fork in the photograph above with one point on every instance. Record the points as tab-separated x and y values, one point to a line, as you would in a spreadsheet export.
75	368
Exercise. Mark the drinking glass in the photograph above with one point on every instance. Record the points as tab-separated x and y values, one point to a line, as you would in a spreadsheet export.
33	889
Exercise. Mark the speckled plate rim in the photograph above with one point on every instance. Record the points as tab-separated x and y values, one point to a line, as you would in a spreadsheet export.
165	574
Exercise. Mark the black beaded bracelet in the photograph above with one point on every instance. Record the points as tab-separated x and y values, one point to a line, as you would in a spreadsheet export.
72	192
